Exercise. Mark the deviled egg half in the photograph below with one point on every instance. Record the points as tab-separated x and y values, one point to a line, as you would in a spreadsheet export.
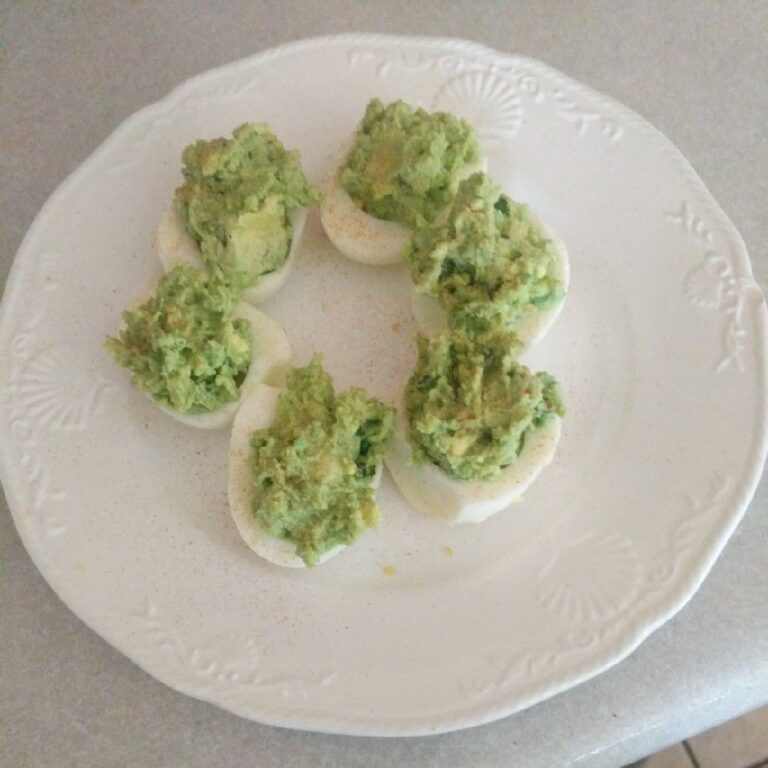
476	429
197	351
304	465
400	172
488	263
240	211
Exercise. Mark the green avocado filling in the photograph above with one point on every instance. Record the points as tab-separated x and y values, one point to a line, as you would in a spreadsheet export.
183	345
405	163
470	404
314	466
489	264
238	201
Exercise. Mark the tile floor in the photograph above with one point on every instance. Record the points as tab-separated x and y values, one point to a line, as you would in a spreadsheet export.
740	743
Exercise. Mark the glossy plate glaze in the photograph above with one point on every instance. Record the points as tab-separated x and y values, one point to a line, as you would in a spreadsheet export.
419	628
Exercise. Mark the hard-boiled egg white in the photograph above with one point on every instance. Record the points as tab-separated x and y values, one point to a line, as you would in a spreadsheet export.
271	358
431	318
175	246
434	493
258	412
360	236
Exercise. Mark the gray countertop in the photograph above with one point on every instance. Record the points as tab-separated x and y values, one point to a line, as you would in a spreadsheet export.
70	72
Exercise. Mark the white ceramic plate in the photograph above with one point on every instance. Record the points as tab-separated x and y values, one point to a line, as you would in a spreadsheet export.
419	628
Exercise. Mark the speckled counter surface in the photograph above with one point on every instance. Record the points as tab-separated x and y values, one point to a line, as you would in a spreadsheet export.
70	72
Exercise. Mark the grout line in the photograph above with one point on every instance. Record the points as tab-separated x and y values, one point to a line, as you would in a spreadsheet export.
692	756
762	763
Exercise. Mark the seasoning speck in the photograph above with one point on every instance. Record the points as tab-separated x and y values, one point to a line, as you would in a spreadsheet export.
389	570
448	550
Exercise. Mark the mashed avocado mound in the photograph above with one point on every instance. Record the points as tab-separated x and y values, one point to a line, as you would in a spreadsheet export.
238	200
183	345
314	466
470	404
405	162
488	264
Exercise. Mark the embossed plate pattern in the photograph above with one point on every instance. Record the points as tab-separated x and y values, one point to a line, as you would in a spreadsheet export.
420	628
